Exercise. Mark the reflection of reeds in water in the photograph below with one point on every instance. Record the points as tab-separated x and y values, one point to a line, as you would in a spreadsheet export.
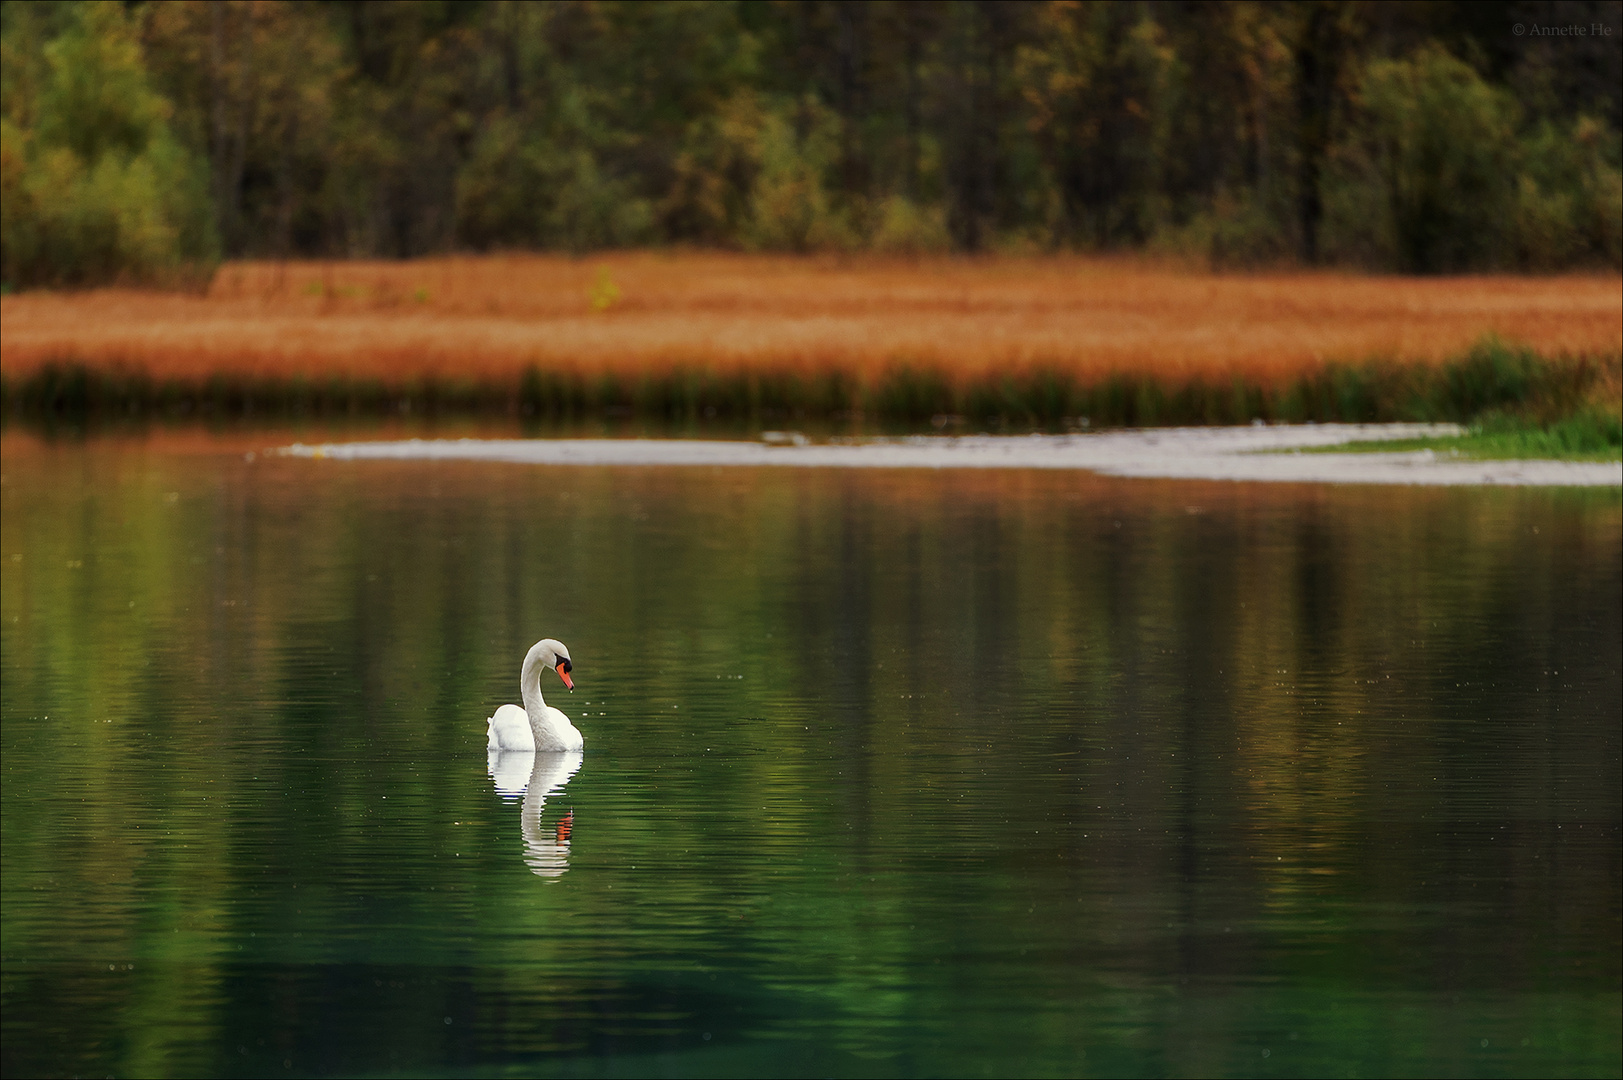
710	334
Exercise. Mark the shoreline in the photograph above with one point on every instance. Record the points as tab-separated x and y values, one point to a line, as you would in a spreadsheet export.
1493	376
1258	454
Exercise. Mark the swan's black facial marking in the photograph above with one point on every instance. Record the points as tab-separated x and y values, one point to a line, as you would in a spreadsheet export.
564	665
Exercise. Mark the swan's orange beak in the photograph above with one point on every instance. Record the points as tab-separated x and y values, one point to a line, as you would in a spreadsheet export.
564	675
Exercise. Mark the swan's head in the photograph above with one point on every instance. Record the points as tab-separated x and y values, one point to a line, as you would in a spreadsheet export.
555	654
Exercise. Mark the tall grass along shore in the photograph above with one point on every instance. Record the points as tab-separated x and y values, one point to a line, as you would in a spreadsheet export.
1022	342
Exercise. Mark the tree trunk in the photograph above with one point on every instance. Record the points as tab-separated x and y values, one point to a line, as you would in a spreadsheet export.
1318	63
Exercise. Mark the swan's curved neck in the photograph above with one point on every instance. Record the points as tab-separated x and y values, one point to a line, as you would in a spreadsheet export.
548	736
529	686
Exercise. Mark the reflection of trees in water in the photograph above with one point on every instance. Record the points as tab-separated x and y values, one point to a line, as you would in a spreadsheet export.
536	776
1254	679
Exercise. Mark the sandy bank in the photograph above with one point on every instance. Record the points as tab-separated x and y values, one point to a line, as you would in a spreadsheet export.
1231	453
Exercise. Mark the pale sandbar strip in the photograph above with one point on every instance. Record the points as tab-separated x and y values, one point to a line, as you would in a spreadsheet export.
1225	453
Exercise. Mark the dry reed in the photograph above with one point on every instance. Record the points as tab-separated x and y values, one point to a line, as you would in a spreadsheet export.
484	319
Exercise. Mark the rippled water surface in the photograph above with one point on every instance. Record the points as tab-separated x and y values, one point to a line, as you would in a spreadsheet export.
886	773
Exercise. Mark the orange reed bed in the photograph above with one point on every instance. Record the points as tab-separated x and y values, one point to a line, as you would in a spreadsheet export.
489	319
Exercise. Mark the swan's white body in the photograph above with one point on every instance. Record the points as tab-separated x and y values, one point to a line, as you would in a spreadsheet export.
537	726
512	729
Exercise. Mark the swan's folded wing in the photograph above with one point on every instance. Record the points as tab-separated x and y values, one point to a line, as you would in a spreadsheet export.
509	729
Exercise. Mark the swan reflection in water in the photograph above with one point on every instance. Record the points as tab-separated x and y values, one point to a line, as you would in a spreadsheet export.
534	775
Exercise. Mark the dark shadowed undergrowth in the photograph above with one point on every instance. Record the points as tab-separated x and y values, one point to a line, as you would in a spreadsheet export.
1572	400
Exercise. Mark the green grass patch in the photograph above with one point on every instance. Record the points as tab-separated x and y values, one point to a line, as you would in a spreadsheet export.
1590	435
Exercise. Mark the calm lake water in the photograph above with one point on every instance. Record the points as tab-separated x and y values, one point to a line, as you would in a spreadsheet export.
886	773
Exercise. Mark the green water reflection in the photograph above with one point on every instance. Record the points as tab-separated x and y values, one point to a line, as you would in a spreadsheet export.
885	773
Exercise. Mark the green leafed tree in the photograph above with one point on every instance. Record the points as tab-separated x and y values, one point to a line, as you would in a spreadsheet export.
96	188
1445	152
1425	138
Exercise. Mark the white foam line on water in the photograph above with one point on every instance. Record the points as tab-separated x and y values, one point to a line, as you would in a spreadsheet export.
1226	453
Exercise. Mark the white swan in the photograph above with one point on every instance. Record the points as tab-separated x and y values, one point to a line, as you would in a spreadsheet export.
537	726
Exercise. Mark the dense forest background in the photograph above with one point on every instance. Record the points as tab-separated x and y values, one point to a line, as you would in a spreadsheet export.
144	141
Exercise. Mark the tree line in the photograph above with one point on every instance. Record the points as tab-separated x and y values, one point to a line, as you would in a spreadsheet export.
145	141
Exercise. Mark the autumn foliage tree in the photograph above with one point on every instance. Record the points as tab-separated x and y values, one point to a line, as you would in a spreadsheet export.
140	140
